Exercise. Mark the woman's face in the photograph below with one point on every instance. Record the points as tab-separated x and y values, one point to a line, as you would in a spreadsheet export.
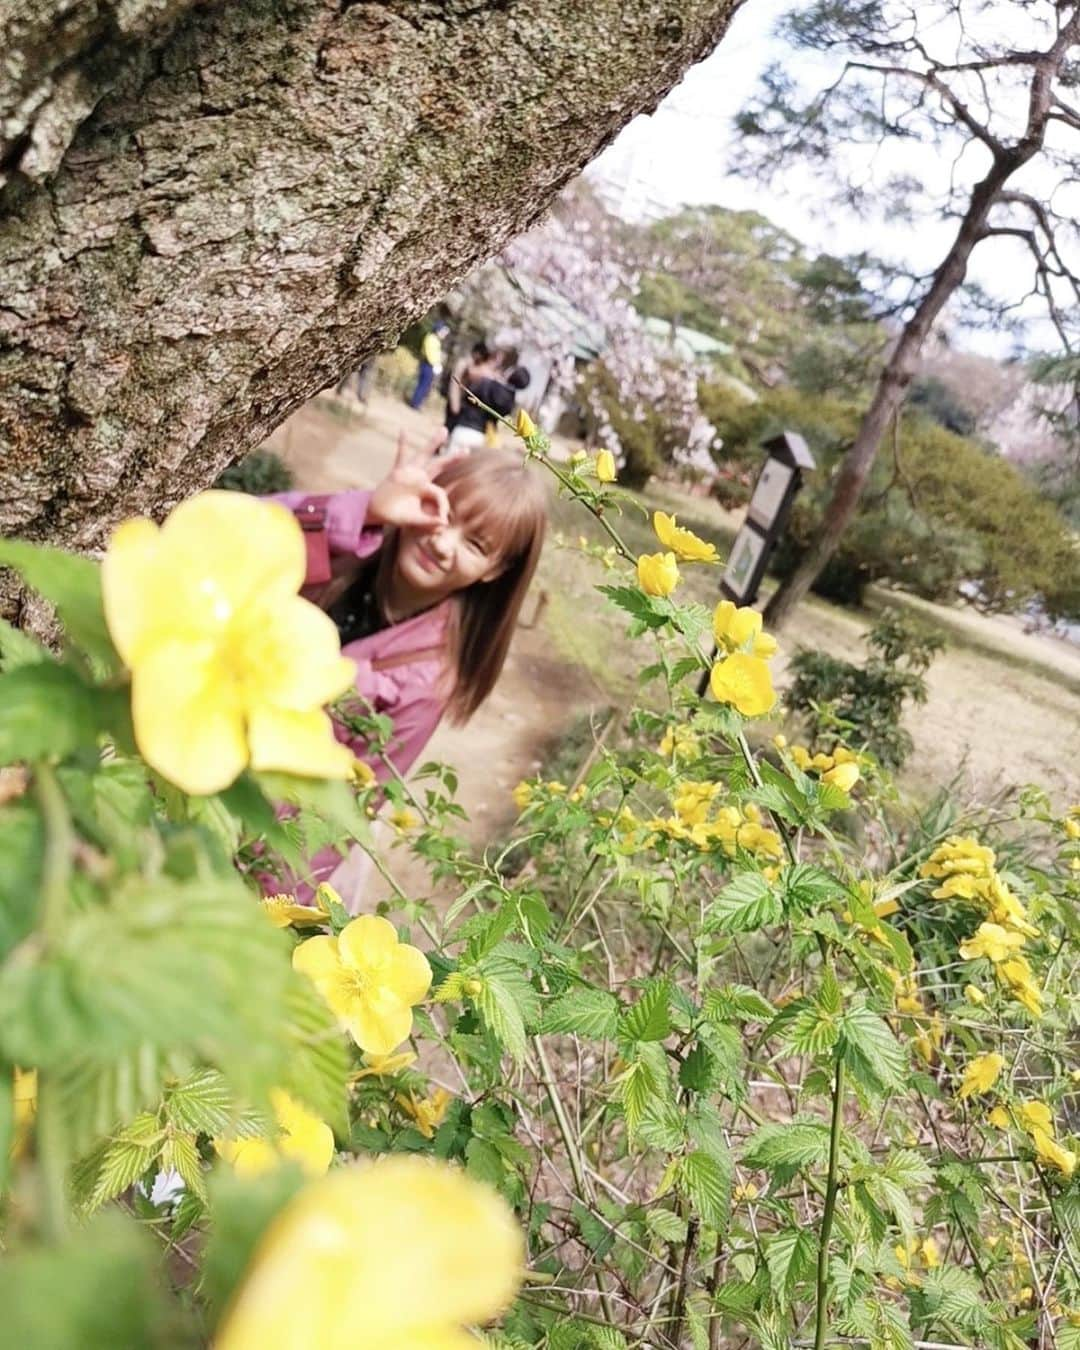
438	562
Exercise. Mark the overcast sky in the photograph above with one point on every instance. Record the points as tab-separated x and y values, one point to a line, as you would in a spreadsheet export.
680	154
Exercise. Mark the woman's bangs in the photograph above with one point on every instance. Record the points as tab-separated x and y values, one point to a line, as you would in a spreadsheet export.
488	505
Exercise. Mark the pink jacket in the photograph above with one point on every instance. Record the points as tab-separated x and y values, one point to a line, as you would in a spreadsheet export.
406	691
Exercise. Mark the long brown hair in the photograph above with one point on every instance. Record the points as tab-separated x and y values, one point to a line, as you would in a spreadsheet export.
505	501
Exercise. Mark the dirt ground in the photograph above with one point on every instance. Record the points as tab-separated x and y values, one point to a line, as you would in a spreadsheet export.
1003	706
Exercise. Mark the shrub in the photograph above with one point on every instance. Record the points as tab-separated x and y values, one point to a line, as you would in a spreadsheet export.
258	473
864	705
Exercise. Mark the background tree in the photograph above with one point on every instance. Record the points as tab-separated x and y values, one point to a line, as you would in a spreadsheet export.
210	210
986	84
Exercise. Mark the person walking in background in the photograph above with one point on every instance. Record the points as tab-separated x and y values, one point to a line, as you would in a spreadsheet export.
466	372
495	389
430	362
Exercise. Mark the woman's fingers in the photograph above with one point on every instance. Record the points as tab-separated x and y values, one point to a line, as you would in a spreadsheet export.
435	503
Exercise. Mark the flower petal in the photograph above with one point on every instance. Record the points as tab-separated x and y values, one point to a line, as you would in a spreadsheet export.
188	722
379	1026
295	650
296	742
368	942
408	973
131	611
317	958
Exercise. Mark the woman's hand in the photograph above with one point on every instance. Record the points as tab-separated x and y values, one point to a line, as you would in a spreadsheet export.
407	496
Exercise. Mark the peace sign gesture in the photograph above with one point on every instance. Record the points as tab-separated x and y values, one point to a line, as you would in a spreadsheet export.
407	496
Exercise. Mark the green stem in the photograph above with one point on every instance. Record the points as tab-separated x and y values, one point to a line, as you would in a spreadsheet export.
831	1189
59	842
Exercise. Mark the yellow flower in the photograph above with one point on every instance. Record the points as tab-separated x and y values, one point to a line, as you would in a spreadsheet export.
1036	1116
524	425
843	776
883	908
991	941
959	853
605	466
981	1074
369	979
428	1112
403	819
681	742
1017	975
801	756
283	910
1072	828
734	628
228	665
579	457
658	573
930	1253
1048	1151
999	1117
398	1254
362	774
744	1191
302	1138
382	1066
974	995
684	543
780	741
743	681
522	795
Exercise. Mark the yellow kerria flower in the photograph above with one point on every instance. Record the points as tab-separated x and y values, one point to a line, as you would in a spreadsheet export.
369	979
302	1138
780	741
746	1190
974	995
981	1074
930	1253
1050	1152
843	776
1017	975
801	756
605	466
735	628
229	666
362	774
283	910
1072	828
399	1254
744	682
403	819
658	573
1036	1116
999	1117
991	941
428	1112
382	1066
522	795
683	543
524	425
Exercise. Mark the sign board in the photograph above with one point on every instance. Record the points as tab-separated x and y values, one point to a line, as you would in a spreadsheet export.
770	494
740	579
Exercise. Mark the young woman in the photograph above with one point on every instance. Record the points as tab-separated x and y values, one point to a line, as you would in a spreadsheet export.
427	574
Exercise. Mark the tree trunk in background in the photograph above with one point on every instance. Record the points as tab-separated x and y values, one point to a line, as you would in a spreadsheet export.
211	210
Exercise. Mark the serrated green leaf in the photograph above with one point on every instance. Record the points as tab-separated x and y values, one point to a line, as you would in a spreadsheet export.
874	1056
201	1103
665	1224
46	710
583	1012
812	1031
706	1183
647	611
790	1259
648	1019
737	1002
798	1144
179	1154
745	904
126	1158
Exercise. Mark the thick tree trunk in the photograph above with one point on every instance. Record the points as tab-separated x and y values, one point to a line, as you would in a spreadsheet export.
213	209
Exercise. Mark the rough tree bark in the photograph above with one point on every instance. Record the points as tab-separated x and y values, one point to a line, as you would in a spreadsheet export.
1007	159
211	209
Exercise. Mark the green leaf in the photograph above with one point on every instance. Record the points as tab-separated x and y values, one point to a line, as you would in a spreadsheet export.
505	1001
798	1144
706	1183
201	1103
98	1290
47	711
179	1154
648	1019
583	1012
737	1003
648	611
666	1225
644	1081
747	903
872	1053
22	847
790	1259
812	1031
126	1158
73	586
807	887
17	649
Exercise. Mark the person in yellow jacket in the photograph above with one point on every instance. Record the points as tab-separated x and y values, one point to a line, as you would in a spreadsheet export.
430	362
